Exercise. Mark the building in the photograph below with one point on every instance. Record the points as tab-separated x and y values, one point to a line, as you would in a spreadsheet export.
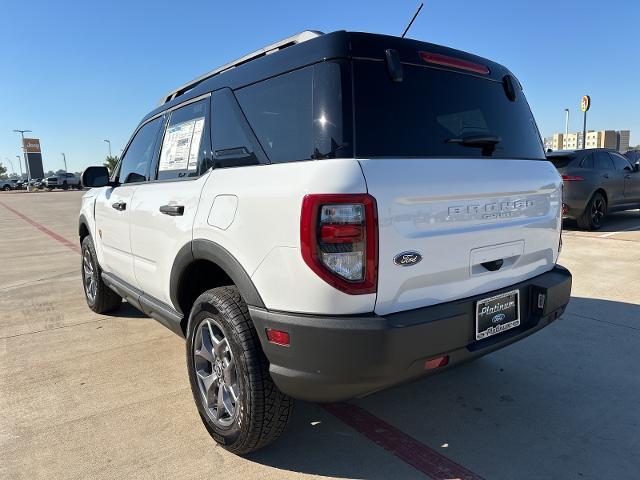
622	140
615	140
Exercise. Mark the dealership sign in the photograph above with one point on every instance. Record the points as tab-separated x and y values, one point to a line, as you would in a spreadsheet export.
31	145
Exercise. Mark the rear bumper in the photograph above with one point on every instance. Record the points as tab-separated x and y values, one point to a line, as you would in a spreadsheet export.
334	358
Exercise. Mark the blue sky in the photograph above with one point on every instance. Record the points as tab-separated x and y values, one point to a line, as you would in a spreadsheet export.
79	72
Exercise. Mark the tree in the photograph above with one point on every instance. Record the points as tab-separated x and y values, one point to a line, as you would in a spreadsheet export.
3	171
111	161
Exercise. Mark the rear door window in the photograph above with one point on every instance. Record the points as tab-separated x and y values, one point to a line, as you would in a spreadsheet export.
602	161
185	142
425	113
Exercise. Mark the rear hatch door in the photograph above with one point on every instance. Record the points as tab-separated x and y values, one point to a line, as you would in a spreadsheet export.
472	215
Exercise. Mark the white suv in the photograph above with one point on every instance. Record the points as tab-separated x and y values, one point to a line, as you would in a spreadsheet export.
327	217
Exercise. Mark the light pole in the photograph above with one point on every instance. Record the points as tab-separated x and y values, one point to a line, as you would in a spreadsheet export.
109	143
11	163
19	163
566	122
64	159
26	157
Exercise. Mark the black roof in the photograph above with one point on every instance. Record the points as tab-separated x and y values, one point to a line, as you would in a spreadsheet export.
334	45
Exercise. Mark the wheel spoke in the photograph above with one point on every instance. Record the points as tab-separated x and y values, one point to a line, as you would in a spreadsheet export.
206	349
208	380
220	406
220	347
228	372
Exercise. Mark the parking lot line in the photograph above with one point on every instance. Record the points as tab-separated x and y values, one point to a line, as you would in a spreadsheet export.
605	235
403	446
43	229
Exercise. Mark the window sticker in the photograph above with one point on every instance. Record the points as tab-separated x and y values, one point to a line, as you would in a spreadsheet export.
181	146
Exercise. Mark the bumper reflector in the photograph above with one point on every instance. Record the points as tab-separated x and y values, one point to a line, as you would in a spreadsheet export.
436	362
278	337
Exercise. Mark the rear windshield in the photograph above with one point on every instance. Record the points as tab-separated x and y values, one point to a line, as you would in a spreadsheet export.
431	108
561	161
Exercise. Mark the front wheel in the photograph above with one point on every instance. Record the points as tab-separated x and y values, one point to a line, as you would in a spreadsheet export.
99	296
593	215
236	398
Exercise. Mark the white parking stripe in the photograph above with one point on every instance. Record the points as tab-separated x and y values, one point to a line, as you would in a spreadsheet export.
637	227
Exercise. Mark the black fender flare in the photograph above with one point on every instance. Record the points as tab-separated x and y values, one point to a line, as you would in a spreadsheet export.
82	221
207	250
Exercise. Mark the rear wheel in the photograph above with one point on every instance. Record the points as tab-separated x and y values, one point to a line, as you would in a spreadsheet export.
100	298
238	402
6	188
593	215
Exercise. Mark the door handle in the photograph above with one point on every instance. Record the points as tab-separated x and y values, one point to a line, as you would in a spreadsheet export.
120	206
606	175
172	210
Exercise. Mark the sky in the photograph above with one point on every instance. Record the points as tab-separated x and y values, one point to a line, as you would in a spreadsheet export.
76	73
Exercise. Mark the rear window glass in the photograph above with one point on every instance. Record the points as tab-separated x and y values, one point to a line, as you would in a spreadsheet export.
302	115
423	115
279	111
560	161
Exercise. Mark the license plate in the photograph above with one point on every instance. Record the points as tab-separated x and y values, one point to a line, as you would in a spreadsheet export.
497	314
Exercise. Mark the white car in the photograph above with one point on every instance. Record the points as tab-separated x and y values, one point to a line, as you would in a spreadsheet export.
328	217
65	181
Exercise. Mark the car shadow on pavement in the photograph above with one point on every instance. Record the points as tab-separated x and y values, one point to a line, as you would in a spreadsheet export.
551	402
613	222
127	311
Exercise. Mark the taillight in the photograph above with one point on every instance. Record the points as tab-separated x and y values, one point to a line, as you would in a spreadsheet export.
446	61
339	240
571	178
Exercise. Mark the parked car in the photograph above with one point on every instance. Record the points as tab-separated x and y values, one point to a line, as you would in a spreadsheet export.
328	217
596	181
6	185
633	156
64	181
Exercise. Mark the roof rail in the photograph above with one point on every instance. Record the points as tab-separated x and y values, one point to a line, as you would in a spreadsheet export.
274	47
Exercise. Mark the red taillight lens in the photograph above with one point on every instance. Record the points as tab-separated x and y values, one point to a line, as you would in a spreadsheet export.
571	178
278	337
447	61
339	240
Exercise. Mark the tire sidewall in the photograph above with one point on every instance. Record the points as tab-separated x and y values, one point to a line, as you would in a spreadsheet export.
235	432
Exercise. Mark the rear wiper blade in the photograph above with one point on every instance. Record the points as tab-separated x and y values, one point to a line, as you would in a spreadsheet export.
486	142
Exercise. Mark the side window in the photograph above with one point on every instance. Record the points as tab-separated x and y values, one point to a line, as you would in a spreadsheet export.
280	113
620	162
234	144
587	162
135	163
602	161
184	144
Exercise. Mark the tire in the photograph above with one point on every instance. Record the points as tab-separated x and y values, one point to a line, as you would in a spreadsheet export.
6	188
99	297
593	215
238	367
65	186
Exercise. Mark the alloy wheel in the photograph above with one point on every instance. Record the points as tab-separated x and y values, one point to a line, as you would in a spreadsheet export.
597	211
89	274
216	373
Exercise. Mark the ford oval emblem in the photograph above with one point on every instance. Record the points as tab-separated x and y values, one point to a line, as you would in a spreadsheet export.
498	318
406	259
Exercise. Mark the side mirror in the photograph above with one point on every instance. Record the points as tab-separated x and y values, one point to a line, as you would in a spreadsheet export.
636	166
95	177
